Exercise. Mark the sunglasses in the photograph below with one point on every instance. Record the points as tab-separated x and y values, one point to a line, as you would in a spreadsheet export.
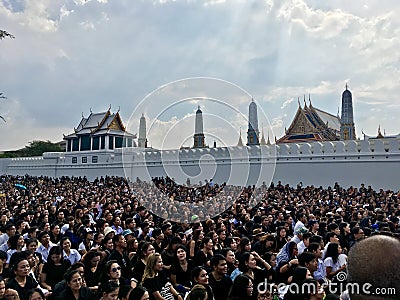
116	269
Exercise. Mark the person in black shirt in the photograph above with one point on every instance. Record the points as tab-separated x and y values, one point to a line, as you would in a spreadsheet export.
121	257
218	278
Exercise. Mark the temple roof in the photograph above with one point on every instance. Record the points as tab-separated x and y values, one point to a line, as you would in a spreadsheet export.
101	124
312	124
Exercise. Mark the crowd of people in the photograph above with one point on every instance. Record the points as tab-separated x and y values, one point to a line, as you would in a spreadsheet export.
71	238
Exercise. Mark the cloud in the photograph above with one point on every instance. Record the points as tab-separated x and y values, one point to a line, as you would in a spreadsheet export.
70	56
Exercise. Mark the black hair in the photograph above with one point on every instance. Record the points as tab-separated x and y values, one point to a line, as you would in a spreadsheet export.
36	290
108	287
305	258
214	261
70	273
239	287
196	272
137	293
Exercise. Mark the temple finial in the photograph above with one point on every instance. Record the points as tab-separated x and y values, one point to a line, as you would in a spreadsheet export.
298	101
346	86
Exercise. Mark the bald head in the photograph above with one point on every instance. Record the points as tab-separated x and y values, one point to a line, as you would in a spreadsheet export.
375	260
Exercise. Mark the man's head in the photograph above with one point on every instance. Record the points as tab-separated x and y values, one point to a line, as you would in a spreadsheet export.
358	233
375	260
119	241
219	265
308	260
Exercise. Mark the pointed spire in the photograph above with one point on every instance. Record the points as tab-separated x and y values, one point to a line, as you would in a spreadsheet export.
82	115
262	142
309	99
298	101
109	107
215	144
90	110
268	141
305	104
240	142
379	133
346	86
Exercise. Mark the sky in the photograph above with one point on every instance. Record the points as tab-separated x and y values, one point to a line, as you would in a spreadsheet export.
164	58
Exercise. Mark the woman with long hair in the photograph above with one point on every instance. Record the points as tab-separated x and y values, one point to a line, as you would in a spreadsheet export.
156	282
286	262
181	270
112	272
214	236
146	249
75	289
54	269
334	260
132	245
55	234
242	288
205	253
244	246
200	276
91	260
281	238
194	243
248	265
107	246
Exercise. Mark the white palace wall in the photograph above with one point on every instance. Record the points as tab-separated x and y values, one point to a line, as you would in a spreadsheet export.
373	162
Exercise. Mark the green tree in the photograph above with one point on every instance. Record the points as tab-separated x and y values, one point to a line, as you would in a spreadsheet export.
37	148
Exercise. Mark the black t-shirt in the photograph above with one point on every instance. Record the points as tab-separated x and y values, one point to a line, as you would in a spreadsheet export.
138	270
221	287
23	292
55	274
158	283
183	277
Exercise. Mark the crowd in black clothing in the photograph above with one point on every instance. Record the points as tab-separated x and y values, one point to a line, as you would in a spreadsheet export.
69	237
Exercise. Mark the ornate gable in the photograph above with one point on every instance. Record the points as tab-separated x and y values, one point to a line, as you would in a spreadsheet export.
116	123
300	124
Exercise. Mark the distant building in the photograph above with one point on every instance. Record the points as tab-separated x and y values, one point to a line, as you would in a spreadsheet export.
198	137
311	124
252	132
99	131
142	141
347	128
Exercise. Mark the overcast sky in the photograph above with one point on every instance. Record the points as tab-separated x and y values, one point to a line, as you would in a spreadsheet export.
72	56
